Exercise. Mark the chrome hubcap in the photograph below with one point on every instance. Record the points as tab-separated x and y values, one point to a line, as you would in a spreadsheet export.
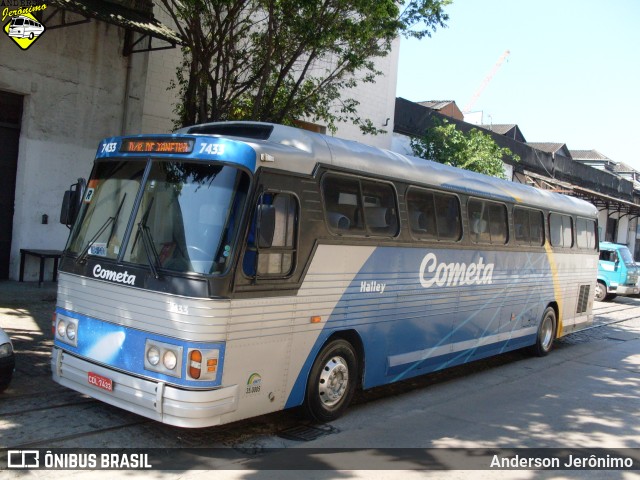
333	381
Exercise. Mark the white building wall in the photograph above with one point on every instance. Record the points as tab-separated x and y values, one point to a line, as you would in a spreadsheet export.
377	100
159	100
401	144
622	235
73	81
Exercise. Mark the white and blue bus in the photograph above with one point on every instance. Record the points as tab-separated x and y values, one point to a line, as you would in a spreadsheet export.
235	269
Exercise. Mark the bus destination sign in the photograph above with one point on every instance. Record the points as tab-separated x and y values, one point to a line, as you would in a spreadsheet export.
157	145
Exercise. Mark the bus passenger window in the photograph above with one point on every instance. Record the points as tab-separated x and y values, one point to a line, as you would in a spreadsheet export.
433	215
585	233
448	216
498	223
528	226
521	223
536	221
422	214
487	222
380	212
359	207
274	253
561	230
342	204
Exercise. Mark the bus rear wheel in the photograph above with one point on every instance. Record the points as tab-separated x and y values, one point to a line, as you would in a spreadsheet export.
546	333
332	381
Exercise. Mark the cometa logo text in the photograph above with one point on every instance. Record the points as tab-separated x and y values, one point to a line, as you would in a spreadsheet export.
120	277
454	274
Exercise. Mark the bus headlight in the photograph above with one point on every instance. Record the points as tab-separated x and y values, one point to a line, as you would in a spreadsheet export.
71	331
169	359
171	356
62	328
66	330
153	356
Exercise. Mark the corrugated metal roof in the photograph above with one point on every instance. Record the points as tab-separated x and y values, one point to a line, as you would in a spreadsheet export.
620	167
436	104
500	128
588	155
118	15
548	147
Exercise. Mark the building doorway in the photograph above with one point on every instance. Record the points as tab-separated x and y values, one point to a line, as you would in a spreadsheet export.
612	230
10	121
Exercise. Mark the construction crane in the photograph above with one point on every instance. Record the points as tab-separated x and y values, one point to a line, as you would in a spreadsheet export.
467	108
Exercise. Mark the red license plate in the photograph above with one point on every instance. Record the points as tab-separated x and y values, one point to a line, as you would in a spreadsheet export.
100	381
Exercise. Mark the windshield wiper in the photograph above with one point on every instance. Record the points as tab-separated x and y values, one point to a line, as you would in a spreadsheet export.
149	248
147	241
82	257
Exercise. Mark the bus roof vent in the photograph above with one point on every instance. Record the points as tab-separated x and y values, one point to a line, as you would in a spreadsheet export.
245	130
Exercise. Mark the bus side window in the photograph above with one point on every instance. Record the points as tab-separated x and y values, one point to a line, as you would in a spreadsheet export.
536	220
478	221
448	216
380	212
498	223
342	204
422	214
273	255
488	222
528	226
585	233
561	230
433	215
555	230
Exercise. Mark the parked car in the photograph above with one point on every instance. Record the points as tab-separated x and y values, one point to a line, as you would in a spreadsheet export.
7	360
24	27
617	272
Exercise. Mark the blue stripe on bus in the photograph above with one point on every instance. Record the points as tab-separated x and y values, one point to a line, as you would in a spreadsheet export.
123	348
397	317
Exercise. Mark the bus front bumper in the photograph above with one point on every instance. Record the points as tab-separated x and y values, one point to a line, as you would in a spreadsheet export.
152	399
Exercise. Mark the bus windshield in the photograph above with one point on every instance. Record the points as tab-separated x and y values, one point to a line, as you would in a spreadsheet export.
185	221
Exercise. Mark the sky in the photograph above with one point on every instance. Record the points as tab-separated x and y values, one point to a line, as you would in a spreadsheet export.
572	75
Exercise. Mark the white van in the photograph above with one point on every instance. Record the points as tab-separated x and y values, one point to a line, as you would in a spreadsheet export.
24	27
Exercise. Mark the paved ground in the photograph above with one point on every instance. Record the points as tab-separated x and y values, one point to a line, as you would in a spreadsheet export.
585	394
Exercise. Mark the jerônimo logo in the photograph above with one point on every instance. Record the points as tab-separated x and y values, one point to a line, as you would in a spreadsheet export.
19	22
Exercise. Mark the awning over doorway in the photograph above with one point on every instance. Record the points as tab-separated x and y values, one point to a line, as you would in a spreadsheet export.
600	200
131	20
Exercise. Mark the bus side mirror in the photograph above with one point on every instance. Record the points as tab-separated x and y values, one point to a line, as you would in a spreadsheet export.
266	225
71	203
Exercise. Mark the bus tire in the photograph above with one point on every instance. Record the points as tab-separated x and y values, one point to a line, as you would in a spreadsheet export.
546	333
332	381
601	292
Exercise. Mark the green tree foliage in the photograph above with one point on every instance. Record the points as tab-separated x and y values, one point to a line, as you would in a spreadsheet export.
474	150
284	60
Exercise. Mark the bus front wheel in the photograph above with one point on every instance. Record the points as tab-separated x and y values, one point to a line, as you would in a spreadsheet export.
546	333
332	381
